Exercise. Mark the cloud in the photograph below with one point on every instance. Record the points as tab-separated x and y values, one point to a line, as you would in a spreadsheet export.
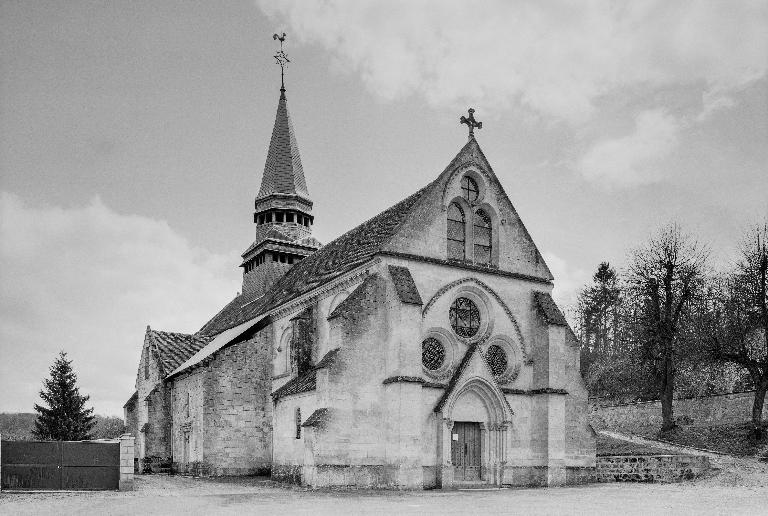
633	159
87	280
556	58
568	282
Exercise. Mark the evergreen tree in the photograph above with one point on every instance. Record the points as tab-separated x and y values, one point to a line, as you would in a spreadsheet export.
66	418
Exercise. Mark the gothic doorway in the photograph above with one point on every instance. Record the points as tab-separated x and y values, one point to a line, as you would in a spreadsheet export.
465	451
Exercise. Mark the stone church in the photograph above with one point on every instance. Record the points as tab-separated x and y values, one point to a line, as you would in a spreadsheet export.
420	349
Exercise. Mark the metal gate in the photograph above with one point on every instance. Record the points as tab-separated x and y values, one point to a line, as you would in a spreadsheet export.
465	451
72	465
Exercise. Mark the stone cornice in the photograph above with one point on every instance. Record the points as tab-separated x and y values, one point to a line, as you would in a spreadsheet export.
466	266
404	379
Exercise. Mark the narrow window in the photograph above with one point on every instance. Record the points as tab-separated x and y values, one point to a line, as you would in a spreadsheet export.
186	406
469	189
289	217
146	365
261	218
298	423
482	234
279	216
269	217
456	233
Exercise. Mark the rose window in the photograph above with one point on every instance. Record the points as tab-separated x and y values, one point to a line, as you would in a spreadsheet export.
465	317
497	360
432	354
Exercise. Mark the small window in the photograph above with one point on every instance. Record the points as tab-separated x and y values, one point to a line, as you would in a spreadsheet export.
298	423
289	217
469	189
482	238
497	360
432	354
279	216
464	317
186	405
269	217
456	233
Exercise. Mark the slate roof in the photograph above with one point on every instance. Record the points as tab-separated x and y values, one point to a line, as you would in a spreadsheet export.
173	349
283	172
548	309
307	381
235	312
318	418
303	383
404	285
347	252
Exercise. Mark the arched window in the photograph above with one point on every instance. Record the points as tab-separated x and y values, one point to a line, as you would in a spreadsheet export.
469	189
482	238
456	233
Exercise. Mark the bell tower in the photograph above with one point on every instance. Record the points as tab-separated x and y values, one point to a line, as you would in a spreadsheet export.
283	208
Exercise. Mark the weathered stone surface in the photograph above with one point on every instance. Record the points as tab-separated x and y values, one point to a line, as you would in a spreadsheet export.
651	468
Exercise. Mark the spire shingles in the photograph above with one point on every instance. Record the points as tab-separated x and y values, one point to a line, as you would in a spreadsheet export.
283	173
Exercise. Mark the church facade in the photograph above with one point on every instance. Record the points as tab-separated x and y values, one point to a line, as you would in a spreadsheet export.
420	349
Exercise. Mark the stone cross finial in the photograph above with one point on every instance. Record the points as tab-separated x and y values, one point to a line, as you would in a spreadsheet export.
281	59
471	123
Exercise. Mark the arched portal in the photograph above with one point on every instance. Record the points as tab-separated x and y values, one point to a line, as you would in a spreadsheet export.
474	431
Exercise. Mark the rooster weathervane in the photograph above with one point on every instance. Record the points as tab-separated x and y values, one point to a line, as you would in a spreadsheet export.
281	59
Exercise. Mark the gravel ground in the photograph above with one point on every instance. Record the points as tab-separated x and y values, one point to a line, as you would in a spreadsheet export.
740	487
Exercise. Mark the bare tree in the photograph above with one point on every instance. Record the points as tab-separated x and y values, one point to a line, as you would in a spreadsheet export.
737	322
665	274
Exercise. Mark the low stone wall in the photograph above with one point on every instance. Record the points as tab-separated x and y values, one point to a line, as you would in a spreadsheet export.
725	408
651	468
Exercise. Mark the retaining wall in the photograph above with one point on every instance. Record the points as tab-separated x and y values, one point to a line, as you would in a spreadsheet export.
651	468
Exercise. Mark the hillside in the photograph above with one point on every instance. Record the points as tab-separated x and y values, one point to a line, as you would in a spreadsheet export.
17	426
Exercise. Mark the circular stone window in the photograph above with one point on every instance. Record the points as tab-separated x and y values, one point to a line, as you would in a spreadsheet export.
432	354
497	359
469	189
465	317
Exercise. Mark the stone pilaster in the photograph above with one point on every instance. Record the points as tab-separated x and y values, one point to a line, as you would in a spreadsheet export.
126	462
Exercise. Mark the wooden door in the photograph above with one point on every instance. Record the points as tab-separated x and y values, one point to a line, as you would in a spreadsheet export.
465	451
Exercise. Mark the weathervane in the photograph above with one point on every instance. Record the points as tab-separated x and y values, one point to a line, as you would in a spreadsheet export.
281	59
471	123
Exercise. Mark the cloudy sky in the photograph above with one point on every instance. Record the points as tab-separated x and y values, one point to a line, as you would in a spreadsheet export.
133	135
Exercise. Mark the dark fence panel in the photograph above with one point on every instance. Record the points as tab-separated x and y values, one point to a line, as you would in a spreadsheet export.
59	465
90	465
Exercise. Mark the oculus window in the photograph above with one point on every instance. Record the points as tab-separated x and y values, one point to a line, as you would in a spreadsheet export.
469	189
465	317
432	354
497	360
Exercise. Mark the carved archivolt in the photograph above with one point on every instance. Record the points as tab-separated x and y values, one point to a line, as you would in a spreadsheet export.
492	293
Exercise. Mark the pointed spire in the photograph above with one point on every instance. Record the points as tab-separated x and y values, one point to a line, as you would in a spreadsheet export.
283	172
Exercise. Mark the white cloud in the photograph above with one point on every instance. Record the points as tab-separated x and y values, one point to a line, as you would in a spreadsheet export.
568	282
555	57
87	280
633	159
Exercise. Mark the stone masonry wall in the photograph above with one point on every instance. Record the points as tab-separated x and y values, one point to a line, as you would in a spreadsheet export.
187	413
157	432
238	408
650	468
728	408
